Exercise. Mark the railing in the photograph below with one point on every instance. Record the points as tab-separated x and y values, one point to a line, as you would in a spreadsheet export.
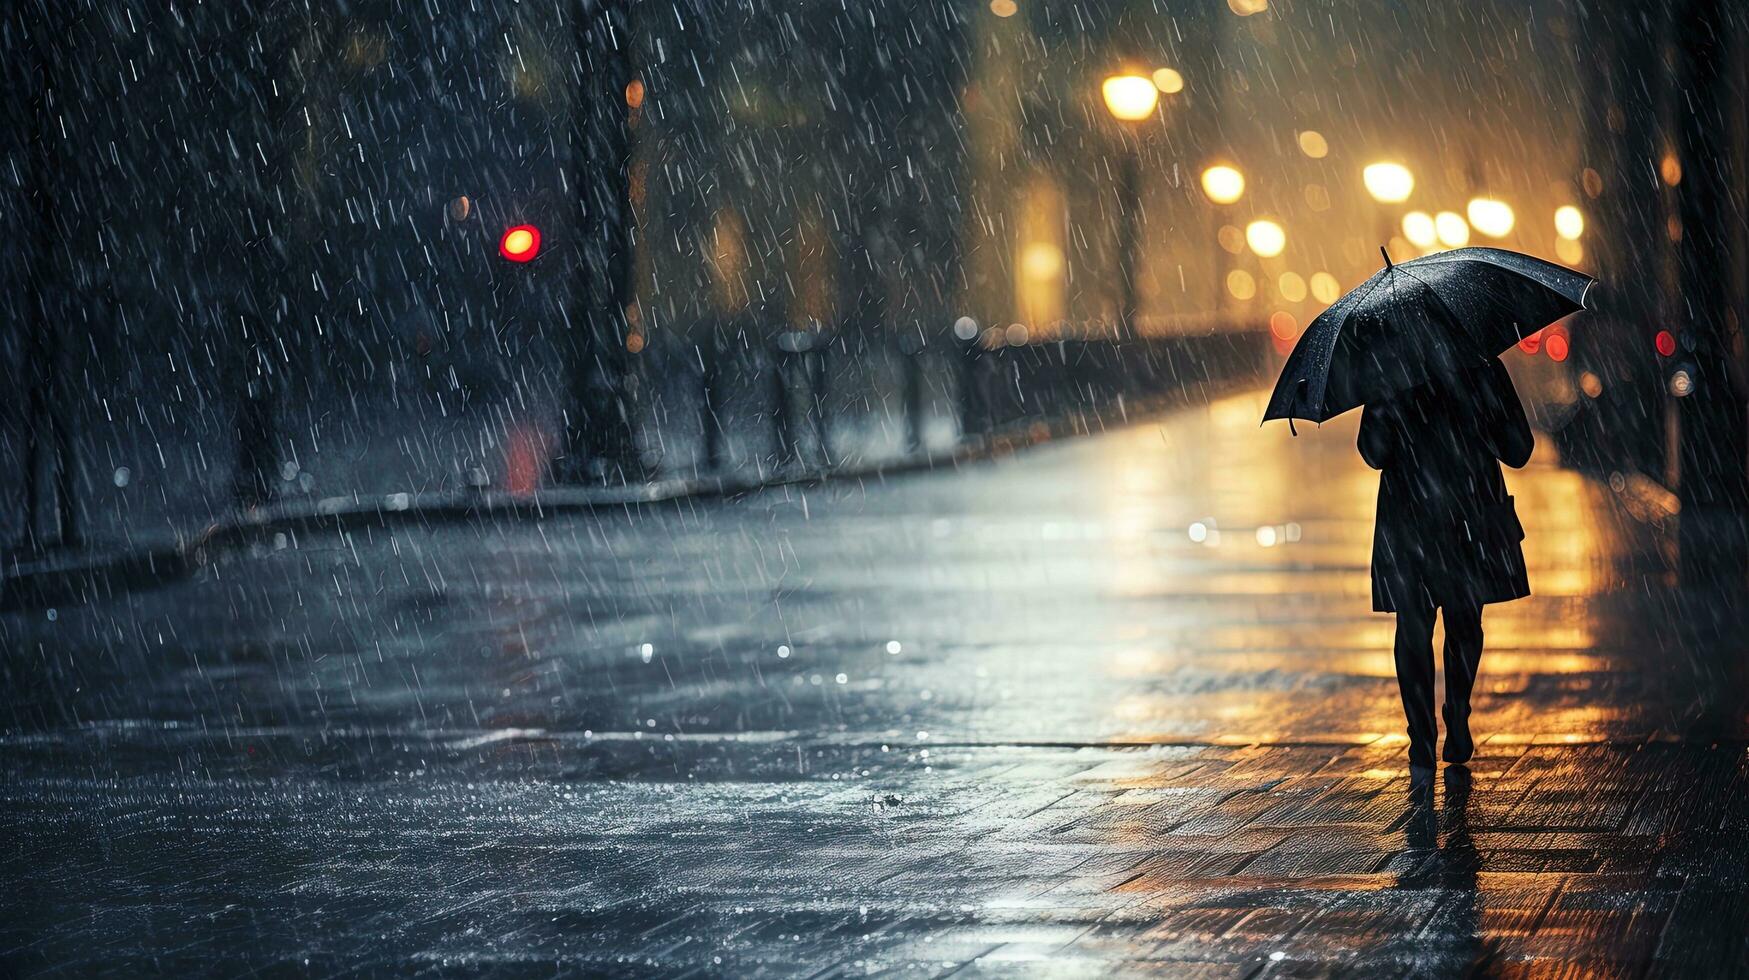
746	401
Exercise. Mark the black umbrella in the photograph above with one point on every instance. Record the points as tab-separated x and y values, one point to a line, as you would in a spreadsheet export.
1412	320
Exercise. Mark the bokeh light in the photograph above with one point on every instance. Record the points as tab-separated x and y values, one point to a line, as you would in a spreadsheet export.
1387	182
1557	346
1325	288
1223	184
1452	229
1670	169
1283	325
1241	284
1569	221
520	244
1168	80
1490	217
1314	145
1130	97
1418	227
1291	286
1265	237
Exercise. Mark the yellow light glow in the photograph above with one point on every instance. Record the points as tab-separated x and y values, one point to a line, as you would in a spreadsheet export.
1241	284
518	241
1314	145
1325	288
1291	287
1223	184
1003	8
1452	229
1418	227
1130	97
1041	260
1168	80
1246	8
1231	239
1569	221
1265	237
1388	183
1569	251
1490	217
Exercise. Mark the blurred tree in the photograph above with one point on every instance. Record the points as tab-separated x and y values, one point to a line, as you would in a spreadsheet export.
599	440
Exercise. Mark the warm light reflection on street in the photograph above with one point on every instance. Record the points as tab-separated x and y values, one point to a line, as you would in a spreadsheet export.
1184	634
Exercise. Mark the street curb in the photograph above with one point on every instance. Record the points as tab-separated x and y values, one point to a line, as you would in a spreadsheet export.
94	577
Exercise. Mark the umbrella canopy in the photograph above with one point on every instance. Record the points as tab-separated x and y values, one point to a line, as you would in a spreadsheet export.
1436	314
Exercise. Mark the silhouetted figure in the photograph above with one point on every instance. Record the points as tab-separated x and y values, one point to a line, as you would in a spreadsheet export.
1447	535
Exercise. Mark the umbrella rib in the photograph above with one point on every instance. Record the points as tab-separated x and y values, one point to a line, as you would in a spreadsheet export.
1451	320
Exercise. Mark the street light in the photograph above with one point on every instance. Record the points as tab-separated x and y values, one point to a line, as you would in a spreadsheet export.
1453	231
1266	238
1130	99
1569	222
1490	217
1223	184
1388	183
1419	228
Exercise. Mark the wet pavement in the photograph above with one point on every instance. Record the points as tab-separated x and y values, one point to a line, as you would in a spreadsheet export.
1112	706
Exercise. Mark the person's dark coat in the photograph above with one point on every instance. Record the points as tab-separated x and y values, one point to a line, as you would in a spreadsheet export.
1445	533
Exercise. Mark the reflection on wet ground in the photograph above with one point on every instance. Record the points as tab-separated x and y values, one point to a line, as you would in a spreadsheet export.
1115	705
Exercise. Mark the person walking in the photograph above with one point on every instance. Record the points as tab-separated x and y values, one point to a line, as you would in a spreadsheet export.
1447	536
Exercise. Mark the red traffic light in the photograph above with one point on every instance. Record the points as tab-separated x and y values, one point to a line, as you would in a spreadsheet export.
520	244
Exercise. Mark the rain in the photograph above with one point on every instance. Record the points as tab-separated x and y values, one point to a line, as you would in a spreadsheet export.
915	487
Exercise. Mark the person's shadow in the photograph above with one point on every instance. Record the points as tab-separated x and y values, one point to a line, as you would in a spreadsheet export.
1451	943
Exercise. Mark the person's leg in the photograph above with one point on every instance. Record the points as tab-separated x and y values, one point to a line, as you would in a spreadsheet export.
1414	654
1463	657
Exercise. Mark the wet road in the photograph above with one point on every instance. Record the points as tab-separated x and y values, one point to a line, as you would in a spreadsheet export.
1116	705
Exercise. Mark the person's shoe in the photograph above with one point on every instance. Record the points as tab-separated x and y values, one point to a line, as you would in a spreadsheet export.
1459	746
1421	755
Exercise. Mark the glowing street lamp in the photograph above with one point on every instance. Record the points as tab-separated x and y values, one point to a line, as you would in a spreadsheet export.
1490	217
1569	222
1130	98
1453	231
1266	238
1223	184
1388	183
1419	228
